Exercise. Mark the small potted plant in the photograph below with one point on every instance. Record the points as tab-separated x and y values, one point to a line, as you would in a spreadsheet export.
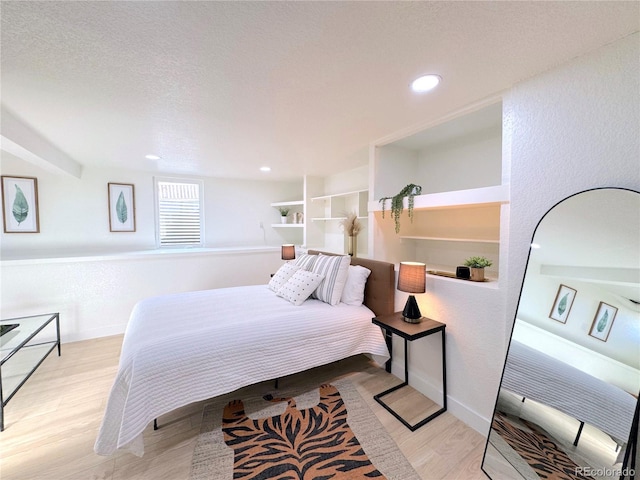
284	211
476	267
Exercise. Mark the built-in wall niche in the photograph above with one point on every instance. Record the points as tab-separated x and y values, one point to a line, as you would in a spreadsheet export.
459	165
461	154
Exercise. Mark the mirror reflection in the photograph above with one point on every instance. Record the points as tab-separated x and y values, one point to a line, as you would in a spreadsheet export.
569	391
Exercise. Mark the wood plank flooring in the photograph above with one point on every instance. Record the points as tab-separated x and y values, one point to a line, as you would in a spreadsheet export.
52	422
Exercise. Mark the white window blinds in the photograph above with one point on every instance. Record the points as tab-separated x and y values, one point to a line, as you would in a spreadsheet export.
179	213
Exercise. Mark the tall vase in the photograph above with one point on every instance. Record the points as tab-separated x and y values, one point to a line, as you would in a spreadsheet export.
352	245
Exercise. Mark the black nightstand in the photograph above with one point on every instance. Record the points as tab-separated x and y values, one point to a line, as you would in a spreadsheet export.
394	323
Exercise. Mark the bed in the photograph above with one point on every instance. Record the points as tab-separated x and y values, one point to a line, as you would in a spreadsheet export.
187	347
540	377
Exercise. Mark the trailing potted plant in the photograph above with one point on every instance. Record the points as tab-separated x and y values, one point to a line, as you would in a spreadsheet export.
397	201
476	267
284	211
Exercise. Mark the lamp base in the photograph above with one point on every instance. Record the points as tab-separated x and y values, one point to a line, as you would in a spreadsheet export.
411	312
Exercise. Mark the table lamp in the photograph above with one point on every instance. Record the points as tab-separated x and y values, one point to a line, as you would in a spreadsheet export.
411	279
288	251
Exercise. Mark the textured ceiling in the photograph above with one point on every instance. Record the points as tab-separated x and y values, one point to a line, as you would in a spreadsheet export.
221	88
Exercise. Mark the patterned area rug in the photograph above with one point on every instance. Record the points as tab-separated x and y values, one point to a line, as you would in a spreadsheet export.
333	435
542	454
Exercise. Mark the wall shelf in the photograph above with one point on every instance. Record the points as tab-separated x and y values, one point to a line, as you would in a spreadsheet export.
443	239
287	225
495	195
287	204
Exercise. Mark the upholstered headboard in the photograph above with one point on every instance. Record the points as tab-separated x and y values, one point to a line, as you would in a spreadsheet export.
380	289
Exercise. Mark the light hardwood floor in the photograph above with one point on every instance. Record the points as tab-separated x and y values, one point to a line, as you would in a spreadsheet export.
52	422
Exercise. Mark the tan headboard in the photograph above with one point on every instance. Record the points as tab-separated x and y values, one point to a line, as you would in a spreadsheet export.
380	290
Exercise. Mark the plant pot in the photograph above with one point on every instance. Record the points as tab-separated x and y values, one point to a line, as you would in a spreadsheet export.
477	274
283	219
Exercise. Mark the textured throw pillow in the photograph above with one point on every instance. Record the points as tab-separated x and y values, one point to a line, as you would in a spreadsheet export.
335	270
300	286
306	261
353	293
283	274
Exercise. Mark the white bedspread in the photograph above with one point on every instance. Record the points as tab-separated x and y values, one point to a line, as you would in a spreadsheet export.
188	347
540	377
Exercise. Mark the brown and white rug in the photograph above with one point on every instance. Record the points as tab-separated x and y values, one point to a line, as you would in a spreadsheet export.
348	440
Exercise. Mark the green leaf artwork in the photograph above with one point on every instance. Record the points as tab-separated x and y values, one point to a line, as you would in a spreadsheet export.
603	322
562	304
121	208
20	207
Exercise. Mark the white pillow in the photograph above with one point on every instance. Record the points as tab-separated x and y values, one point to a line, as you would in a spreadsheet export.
353	293
298	288
335	270
283	274
306	261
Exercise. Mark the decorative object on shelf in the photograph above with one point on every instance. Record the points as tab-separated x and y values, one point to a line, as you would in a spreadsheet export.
288	251
351	226
284	211
476	266
602	322
562	303
20	204
463	272
122	217
397	206
411	279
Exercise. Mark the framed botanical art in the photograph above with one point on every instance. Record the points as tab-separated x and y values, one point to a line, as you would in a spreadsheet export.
602	322
562	303
122	209
20	204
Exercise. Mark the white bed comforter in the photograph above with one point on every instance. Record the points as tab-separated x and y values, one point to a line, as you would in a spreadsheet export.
540	377
188	347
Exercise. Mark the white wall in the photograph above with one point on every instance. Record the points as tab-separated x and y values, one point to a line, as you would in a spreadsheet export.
570	129
71	267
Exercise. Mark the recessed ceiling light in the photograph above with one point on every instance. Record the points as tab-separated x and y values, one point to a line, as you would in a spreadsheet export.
265	169
425	83
152	157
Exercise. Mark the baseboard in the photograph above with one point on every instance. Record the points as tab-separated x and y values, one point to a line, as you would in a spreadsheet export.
93	333
459	410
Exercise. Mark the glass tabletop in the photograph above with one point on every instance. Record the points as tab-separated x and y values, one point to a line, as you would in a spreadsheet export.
17	331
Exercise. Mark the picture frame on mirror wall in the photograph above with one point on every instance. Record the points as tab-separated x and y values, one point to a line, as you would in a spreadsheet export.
603	321
20	204
562	303
122	207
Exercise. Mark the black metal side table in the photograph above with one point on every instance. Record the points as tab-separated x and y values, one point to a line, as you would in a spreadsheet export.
394	324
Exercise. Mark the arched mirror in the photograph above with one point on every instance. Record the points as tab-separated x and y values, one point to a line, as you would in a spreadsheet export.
567	407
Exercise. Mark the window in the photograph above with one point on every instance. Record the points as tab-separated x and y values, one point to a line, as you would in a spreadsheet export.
180	212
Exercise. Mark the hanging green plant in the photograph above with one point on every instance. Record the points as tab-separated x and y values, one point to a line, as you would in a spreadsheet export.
397	201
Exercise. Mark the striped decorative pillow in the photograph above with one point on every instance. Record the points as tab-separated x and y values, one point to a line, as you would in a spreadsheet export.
335	270
306	261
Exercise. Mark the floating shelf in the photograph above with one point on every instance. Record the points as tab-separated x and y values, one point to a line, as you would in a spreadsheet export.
287	225
498	194
443	239
287	204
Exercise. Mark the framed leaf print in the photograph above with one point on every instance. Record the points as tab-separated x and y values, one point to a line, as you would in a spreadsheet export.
603	321
562	303
122	210
20	204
